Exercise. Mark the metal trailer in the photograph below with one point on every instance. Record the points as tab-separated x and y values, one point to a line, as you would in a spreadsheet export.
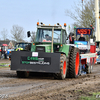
87	60
87	51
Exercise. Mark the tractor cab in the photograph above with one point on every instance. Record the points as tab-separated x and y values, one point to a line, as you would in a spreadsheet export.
84	46
4	47
49	38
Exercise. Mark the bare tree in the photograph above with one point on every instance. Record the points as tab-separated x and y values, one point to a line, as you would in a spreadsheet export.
4	34
17	33
33	36
83	17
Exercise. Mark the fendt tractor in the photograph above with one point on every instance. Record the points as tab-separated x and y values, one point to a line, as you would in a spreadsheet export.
50	53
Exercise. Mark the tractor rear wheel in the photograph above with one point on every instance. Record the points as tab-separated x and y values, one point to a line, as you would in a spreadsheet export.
22	74
63	68
74	63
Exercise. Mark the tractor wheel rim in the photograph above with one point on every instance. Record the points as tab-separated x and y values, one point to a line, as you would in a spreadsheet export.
77	63
64	68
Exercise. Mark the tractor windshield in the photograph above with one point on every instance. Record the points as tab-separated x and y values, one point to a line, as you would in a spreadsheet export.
45	35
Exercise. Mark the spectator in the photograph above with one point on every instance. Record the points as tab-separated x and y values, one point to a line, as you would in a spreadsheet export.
81	38
71	38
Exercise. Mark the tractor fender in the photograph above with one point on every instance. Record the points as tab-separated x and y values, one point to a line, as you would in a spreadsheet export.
60	52
70	47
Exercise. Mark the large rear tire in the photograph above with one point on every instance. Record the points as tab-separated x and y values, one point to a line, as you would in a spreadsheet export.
63	68
22	74
74	63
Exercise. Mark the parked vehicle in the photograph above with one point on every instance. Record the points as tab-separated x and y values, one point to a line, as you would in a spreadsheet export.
4	49
98	57
19	46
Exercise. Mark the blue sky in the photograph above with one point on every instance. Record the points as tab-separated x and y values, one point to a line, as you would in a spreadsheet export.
26	13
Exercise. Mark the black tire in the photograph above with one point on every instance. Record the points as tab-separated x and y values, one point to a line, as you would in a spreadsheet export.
88	69
22	74
63	68
74	63
5	56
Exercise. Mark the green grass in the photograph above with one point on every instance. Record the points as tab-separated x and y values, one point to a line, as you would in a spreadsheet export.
79	90
93	97
4	64
96	93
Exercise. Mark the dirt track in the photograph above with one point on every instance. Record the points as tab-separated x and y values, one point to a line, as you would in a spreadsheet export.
39	87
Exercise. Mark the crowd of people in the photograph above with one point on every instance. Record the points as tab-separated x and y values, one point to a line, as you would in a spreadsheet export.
72	38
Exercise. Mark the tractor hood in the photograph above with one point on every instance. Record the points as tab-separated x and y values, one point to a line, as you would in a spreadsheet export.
43	48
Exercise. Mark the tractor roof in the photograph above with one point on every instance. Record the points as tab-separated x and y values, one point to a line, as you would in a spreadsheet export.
50	26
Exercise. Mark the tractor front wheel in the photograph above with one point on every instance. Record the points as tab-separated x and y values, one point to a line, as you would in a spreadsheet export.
63	68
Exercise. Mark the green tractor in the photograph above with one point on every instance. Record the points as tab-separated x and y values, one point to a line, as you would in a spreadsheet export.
49	53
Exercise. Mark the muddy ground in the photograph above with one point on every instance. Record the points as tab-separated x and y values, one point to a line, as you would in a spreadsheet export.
45	87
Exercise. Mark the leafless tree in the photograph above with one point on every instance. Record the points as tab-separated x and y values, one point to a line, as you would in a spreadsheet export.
83	17
4	34
17	33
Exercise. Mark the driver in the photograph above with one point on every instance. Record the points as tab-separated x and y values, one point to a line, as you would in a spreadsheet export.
47	38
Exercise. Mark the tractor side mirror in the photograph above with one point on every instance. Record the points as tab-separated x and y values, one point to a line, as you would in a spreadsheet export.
67	38
28	34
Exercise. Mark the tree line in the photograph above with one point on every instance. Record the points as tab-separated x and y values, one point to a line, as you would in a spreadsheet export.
83	14
17	34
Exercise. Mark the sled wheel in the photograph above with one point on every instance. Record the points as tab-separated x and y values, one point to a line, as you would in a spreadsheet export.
88	69
22	74
74	62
